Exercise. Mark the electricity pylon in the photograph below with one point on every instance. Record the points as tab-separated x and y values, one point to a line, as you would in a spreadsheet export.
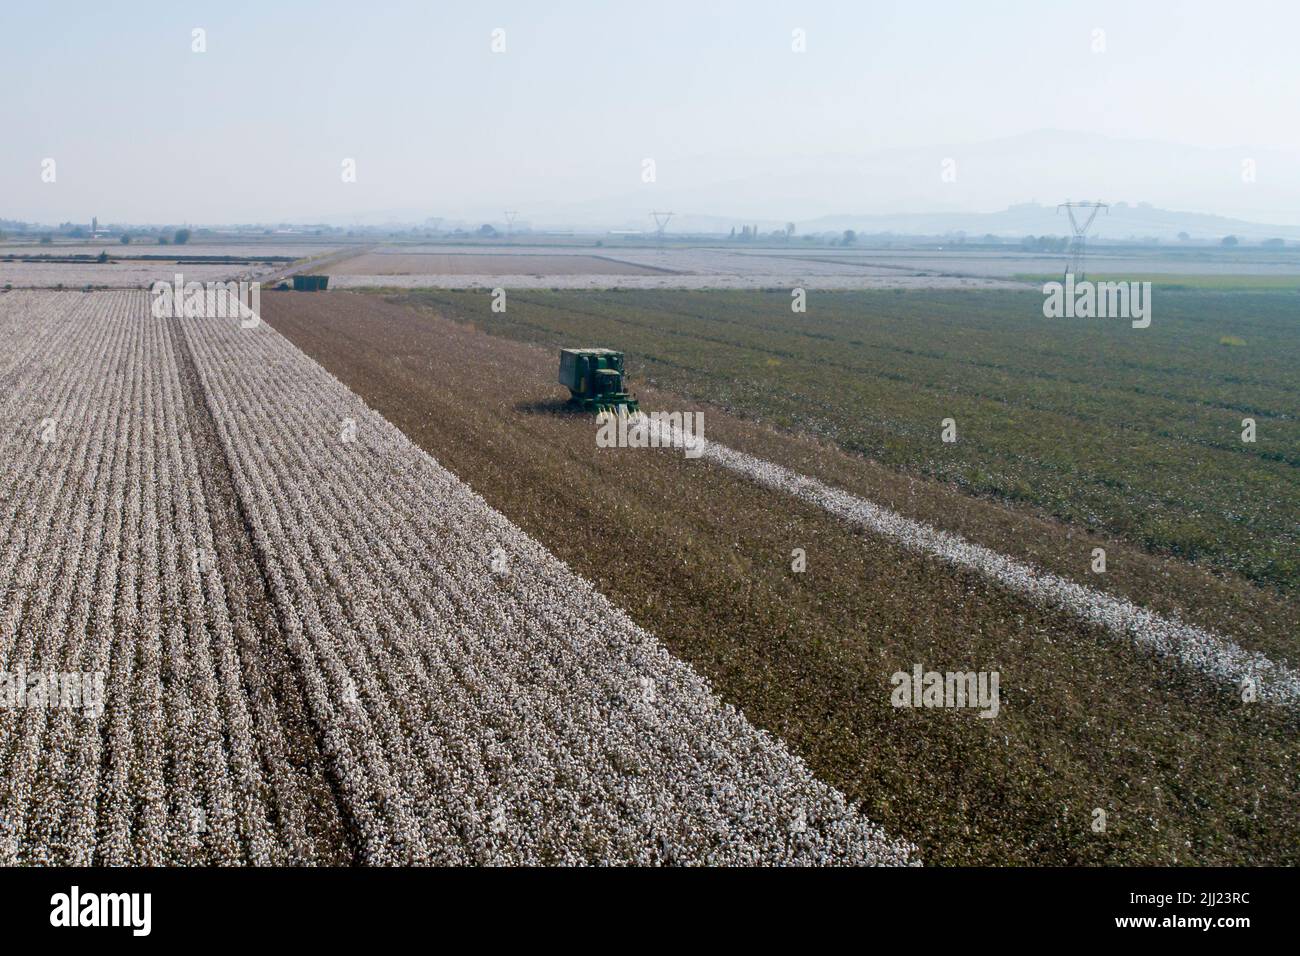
661	223
1078	242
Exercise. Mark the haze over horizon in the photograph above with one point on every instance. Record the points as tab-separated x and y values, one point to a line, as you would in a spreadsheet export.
1171	104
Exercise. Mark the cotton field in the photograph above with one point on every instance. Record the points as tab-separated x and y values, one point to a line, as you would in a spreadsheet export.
318	645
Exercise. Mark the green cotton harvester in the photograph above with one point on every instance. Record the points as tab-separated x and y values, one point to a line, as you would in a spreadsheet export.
594	378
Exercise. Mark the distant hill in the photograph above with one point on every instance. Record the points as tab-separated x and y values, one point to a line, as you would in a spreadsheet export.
960	186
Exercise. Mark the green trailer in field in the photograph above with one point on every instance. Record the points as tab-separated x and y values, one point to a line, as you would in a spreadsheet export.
310	283
594	378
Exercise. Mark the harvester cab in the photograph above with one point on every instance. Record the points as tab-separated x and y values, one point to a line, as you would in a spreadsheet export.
594	378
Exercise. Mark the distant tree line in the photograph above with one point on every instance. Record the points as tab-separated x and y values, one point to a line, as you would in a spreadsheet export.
1045	243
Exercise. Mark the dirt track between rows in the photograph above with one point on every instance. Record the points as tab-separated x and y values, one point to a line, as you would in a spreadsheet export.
261	634
702	558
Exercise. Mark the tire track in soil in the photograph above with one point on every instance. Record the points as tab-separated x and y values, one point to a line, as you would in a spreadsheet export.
280	714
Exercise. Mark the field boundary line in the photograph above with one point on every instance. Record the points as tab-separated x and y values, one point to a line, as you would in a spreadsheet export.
1212	654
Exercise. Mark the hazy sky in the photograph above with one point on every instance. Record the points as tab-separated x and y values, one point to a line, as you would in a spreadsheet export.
256	128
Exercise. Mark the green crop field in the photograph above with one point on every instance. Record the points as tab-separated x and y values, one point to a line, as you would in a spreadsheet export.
1137	432
1170	282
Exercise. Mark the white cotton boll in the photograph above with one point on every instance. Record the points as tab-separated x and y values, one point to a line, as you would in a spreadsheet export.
434	683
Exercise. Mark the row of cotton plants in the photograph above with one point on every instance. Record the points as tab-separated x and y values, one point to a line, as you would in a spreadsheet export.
317	645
